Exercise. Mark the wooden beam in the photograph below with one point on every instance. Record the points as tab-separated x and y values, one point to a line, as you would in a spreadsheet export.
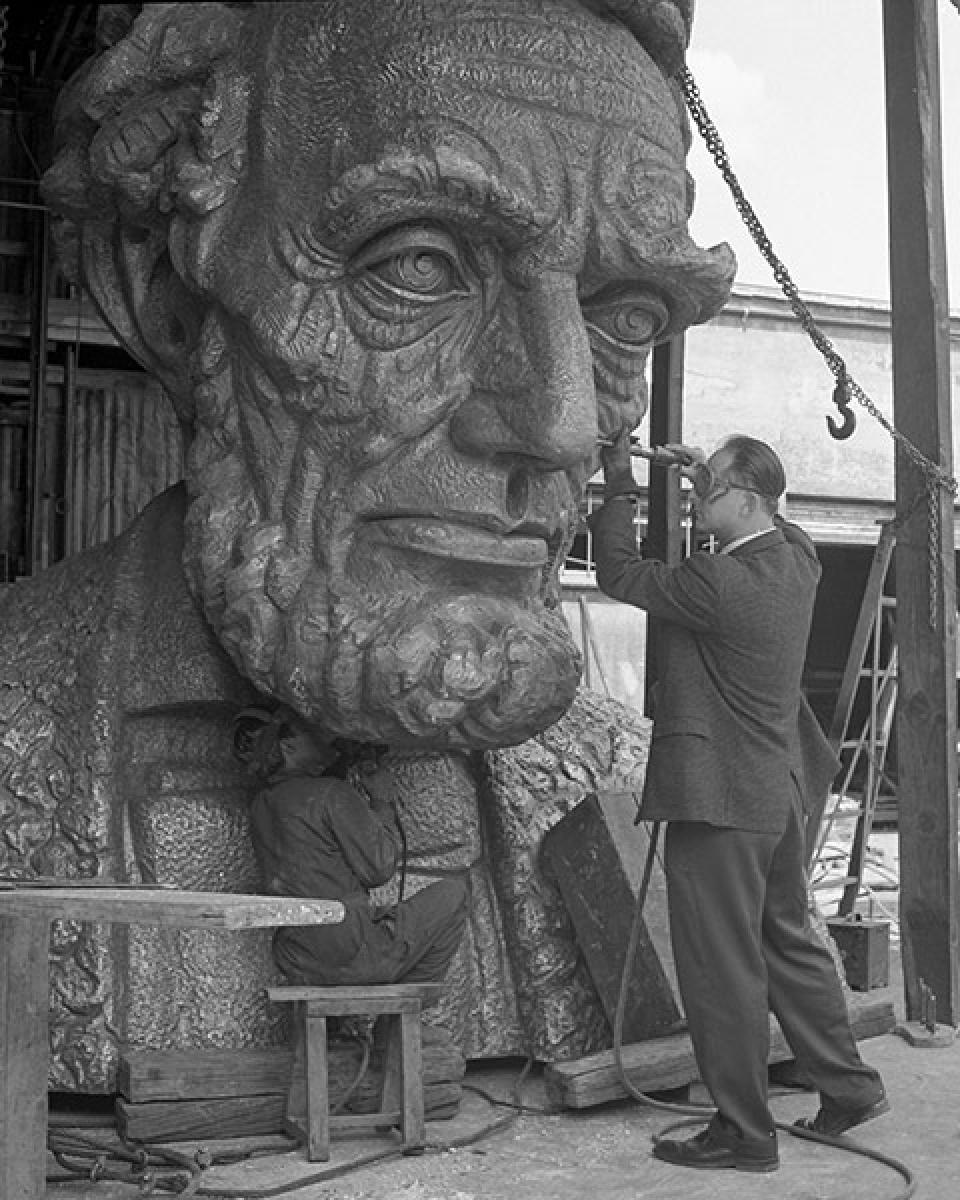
926	590
665	1063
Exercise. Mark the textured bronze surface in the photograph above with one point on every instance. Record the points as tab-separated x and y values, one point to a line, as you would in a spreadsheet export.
397	265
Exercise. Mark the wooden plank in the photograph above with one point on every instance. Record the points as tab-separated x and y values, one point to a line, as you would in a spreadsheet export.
351	1000
662	1064
927	704
596	854
188	1120
243	1116
23	1057
145	1075
159	906
64	322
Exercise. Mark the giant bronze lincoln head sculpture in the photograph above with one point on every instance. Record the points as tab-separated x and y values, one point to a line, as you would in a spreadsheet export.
397	264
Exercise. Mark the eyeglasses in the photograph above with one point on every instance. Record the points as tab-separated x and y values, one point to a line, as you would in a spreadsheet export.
709	488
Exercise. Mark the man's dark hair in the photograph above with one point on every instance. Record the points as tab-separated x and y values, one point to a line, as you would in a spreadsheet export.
758	467
257	734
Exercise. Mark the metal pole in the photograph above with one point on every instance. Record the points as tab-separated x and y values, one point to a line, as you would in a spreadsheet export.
664	501
36	433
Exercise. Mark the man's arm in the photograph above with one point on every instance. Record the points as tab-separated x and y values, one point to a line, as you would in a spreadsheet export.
690	594
368	835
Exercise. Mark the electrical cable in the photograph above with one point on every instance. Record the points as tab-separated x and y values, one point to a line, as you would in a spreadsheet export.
366	1048
696	1114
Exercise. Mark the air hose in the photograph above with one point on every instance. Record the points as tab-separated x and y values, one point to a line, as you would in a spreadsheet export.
155	1169
696	1114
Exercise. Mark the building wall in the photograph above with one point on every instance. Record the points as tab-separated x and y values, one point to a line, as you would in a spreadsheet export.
754	370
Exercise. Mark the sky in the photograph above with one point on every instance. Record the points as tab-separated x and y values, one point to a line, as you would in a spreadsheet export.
796	91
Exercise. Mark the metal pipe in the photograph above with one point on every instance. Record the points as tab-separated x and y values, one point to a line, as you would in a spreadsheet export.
38	397
655	454
43	208
70	449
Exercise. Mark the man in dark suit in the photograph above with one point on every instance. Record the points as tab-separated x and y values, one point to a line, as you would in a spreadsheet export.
735	755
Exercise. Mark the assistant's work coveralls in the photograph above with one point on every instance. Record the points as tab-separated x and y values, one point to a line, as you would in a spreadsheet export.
317	836
728	773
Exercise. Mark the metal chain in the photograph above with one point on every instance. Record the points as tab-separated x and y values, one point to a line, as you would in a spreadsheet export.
934	477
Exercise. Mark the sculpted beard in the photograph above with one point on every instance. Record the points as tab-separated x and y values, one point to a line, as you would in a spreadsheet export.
435	667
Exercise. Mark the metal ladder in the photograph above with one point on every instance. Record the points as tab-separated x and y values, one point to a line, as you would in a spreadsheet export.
872	660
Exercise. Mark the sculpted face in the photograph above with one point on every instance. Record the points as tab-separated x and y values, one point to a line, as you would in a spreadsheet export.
440	283
455	240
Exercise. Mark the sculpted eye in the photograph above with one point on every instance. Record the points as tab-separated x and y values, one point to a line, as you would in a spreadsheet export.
630	320
422	271
413	280
414	263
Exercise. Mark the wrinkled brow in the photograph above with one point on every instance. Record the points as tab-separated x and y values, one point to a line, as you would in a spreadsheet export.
405	187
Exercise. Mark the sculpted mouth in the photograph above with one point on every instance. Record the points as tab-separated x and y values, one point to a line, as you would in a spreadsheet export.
445	538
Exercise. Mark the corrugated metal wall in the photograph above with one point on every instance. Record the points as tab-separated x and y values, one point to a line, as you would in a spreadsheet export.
124	448
17	192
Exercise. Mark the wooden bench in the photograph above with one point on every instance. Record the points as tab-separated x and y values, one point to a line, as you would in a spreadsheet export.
401	1101
25	916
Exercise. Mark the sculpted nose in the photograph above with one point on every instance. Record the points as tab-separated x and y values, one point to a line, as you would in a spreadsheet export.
542	404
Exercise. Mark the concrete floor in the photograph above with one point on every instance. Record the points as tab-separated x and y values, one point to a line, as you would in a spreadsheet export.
605	1152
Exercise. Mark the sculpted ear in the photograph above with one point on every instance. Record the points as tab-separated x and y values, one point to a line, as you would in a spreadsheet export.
151	138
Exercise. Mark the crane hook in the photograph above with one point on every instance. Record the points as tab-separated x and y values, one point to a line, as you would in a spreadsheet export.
841	398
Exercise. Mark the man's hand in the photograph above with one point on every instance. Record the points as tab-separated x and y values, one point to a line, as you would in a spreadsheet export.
381	787
692	462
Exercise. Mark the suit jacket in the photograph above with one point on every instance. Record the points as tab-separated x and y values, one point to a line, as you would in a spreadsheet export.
732	735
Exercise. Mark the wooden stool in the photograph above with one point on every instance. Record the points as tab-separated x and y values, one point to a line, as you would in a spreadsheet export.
402	1096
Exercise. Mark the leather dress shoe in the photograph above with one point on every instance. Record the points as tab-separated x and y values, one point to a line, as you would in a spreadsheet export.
832	1119
712	1150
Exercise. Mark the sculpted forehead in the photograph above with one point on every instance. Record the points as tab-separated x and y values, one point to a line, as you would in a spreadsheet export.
533	88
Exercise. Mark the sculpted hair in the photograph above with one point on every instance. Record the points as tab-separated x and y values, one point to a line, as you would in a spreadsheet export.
757	466
153	145
157	118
